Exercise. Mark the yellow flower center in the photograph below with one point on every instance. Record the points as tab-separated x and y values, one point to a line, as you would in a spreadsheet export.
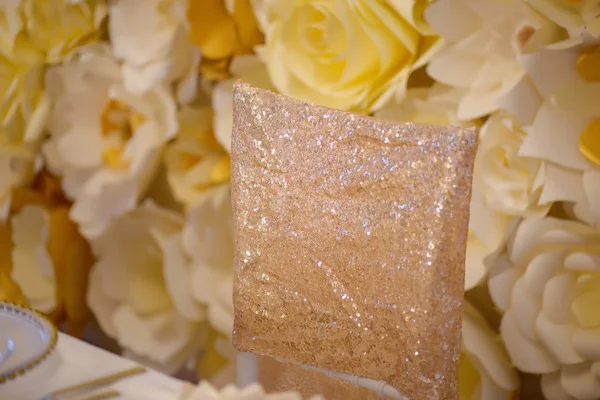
588	64
589	141
119	122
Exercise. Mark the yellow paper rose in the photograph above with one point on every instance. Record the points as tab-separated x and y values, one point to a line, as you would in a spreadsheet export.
222	29
350	55
34	33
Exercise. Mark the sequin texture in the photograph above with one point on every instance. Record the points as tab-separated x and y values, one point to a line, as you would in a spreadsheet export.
350	238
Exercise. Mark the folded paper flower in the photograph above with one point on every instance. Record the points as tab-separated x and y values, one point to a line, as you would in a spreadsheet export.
350	241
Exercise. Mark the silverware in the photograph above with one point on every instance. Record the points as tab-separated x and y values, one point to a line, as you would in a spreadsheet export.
93	383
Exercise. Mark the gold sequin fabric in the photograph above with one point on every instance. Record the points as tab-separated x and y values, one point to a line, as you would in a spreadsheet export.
350	237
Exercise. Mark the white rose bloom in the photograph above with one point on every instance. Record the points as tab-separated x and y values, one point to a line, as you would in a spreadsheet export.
558	99
153	41
511	184
208	241
33	269
248	68
140	288
204	391
573	15
482	39
488	228
485	369
548	287
105	141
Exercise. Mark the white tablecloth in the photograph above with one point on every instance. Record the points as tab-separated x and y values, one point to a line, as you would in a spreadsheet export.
74	361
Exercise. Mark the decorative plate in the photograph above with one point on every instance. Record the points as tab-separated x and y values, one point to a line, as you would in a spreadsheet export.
26	339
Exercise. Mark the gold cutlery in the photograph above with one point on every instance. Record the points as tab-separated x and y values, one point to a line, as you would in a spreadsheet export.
95	382
109	394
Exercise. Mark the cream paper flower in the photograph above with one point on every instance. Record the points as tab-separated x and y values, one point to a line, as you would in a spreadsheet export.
152	40
140	288
250	69
573	15
548	287
485	371
488	228
195	160
482	39
557	99
33	269
511	184
346	55
208	241
204	391
105	141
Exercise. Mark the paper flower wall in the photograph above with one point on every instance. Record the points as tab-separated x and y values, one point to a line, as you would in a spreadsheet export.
114	163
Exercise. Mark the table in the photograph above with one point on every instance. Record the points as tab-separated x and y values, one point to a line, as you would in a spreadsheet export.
74	361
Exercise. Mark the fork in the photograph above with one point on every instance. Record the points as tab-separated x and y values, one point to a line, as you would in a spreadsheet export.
96	382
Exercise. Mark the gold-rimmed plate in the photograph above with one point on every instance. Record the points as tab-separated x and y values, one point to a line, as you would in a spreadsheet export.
26	339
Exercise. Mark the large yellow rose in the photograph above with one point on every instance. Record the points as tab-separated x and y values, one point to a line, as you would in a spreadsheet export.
351	55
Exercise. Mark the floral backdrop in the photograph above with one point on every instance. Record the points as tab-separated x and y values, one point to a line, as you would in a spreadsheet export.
114	163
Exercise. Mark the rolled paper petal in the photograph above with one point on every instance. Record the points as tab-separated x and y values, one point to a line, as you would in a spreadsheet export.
350	241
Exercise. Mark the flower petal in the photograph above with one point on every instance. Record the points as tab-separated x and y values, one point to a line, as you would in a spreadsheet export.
558	293
552	387
527	355
479	341
501	281
579	381
587	343
525	309
554	136
176	272
557	339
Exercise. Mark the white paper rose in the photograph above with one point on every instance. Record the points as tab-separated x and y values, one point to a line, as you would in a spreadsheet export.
511	184
488	228
485	369
195	160
248	68
208	241
557	98
152	40
548	287
105	142
482	39
140	289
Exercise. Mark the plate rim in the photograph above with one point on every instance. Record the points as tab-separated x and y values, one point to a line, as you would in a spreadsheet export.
20	309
